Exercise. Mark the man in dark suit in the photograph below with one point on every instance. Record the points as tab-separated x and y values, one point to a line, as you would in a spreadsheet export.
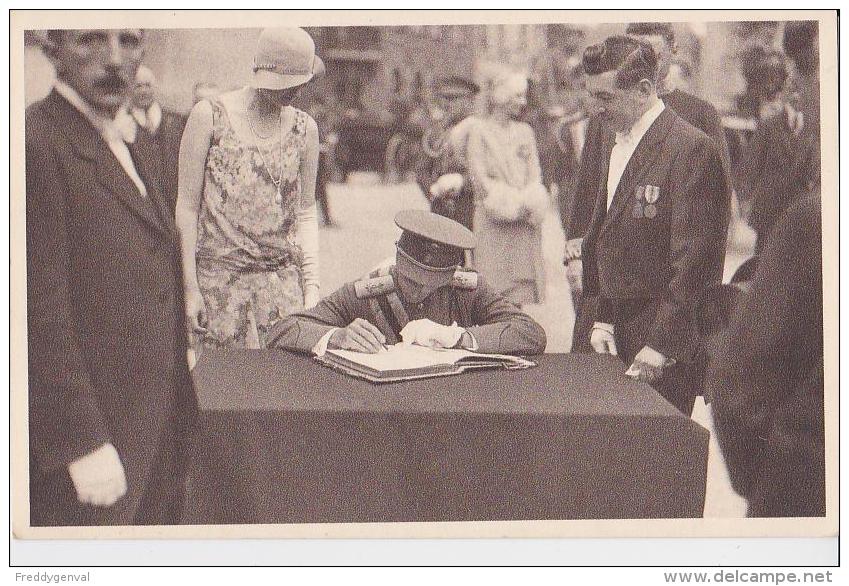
766	376
164	126
656	239
110	395
691	109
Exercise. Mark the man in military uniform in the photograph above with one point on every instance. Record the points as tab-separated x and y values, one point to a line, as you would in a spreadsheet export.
425	298
441	173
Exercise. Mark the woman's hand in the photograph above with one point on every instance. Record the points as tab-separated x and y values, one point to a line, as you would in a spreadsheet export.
196	312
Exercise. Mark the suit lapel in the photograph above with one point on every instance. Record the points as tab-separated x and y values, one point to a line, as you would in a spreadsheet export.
108	172
600	209
639	164
148	160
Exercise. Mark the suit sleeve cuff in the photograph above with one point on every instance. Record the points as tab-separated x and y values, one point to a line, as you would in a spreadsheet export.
321	346
473	343
600	325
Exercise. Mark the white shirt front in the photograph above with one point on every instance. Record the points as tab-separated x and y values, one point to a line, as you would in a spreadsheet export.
114	132
626	144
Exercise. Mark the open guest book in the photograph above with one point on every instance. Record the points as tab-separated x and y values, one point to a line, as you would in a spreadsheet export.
406	362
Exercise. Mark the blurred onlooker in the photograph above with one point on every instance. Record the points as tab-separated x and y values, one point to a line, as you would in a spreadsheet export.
327	119
164	126
442	172
680	76
510	199
572	135
782	160
766	375
558	154
204	90
328	139
691	109
542	119
765	72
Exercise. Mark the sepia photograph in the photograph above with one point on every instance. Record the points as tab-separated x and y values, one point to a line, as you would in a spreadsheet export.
423	274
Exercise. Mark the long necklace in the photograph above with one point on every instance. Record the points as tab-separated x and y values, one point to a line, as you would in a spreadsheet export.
257	137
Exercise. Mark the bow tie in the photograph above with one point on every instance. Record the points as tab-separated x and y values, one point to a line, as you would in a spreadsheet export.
123	128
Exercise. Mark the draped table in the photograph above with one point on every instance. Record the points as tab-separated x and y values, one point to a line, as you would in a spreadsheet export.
282	439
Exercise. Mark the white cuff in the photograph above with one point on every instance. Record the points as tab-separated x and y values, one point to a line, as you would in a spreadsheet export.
600	325
306	233
321	346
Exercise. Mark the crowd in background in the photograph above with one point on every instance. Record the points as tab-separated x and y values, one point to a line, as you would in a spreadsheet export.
244	178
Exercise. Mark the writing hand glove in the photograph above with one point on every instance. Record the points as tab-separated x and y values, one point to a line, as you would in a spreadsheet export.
425	332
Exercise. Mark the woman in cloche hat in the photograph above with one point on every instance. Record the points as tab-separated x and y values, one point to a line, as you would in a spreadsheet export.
246	203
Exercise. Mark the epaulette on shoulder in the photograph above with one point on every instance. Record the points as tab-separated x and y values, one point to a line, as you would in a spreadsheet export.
465	279
374	286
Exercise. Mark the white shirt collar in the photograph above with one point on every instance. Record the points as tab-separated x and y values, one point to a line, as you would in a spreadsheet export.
642	125
150	118
110	129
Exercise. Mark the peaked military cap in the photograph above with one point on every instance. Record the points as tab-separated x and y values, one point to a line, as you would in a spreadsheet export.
433	240
455	86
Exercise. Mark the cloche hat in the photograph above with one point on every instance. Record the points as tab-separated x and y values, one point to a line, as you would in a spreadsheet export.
285	58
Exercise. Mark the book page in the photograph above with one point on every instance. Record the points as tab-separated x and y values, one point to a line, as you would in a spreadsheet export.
404	356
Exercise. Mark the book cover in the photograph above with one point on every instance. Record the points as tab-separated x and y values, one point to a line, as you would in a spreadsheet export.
409	361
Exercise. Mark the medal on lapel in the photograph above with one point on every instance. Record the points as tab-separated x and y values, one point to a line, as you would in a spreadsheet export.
647	196
652	193
638	211
639	193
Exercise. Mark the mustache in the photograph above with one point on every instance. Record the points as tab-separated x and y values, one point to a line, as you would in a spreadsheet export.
111	83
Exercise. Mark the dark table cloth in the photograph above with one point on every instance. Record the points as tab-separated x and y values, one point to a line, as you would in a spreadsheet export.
283	439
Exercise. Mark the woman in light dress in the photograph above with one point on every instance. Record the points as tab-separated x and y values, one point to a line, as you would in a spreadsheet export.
246	208
510	200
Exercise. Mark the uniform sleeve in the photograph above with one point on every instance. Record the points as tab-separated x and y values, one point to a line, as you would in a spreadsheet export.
65	421
501	327
301	331
698	230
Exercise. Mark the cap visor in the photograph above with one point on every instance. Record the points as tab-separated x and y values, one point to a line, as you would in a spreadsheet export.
269	80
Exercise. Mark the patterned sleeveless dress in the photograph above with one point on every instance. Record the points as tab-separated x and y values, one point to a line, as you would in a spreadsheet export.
248	264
